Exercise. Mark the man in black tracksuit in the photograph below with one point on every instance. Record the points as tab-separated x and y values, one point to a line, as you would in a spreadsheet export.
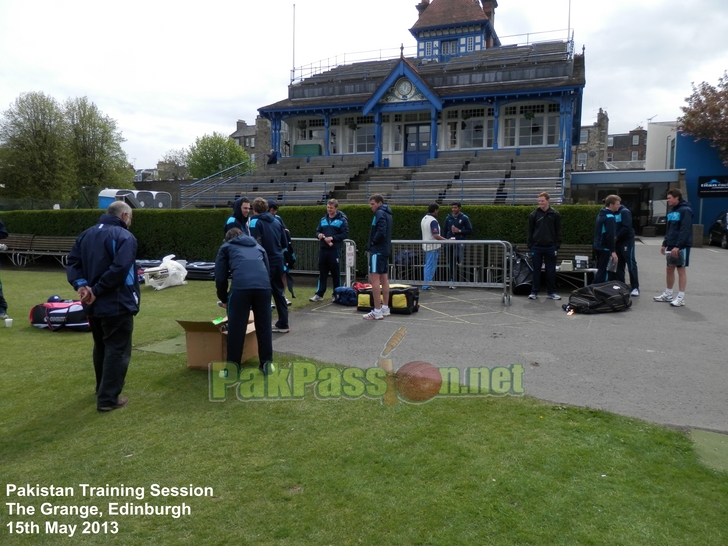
331	231
625	249
605	238
544	240
269	233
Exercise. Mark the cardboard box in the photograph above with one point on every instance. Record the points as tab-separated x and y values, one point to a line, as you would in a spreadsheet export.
207	342
567	265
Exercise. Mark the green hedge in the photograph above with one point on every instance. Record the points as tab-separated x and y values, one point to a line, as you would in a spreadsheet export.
195	235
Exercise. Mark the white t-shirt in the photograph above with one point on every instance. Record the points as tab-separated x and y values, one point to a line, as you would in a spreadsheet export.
430	228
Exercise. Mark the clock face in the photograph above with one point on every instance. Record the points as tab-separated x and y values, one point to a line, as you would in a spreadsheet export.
404	87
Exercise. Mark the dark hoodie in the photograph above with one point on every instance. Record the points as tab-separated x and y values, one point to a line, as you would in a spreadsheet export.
380	235
679	231
247	261
237	219
605	231
269	233
337	228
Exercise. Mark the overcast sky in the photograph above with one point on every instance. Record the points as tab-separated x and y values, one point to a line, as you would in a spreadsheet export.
169	72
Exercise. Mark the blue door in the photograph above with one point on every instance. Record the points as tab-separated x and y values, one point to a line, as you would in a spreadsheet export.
417	145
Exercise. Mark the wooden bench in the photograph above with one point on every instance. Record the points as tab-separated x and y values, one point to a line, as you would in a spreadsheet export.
57	246
19	248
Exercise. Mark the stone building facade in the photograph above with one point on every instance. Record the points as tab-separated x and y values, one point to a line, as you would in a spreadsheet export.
254	139
590	152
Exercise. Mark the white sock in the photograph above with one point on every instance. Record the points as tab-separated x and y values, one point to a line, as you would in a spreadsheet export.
681	294
668	291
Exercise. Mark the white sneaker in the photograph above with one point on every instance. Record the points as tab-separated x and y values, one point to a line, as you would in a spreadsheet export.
663	297
315	297
635	292
678	302
554	297
373	315
533	296
385	311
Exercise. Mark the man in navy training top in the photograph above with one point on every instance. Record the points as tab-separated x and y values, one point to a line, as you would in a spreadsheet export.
625	249
605	239
268	232
457	227
239	218
676	247
379	248
331	231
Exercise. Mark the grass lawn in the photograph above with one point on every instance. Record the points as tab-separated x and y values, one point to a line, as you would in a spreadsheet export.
453	471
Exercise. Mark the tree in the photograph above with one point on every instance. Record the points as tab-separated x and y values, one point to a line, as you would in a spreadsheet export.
706	115
95	144
34	134
213	153
174	165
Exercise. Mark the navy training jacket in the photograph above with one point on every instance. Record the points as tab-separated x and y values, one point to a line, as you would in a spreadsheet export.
336	227
103	257
248	263
380	235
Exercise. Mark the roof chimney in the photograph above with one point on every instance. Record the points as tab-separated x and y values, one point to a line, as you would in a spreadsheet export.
422	6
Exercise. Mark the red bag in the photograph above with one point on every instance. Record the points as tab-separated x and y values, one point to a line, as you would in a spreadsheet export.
60	315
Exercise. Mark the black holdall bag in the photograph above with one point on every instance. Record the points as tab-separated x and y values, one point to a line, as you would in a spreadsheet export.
599	298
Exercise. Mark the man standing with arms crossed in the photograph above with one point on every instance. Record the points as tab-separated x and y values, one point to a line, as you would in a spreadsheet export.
676	247
431	232
101	268
380	242
544	240
331	231
457	226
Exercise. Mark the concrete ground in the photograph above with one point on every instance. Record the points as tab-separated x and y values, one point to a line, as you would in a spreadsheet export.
655	362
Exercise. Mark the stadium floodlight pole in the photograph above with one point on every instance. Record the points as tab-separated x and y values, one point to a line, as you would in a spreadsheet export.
568	31
293	69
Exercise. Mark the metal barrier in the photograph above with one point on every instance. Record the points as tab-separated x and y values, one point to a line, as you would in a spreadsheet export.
483	264
307	256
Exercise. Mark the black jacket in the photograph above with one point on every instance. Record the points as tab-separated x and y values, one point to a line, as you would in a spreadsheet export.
462	222
103	258
605	231
336	227
269	233
237	219
679	231
544	228
380	235
247	261
623	218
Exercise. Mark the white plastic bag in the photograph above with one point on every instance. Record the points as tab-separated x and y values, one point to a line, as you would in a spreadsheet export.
171	273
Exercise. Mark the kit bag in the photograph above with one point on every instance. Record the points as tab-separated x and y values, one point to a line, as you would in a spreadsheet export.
345	295
600	298
403	299
201	271
64	315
